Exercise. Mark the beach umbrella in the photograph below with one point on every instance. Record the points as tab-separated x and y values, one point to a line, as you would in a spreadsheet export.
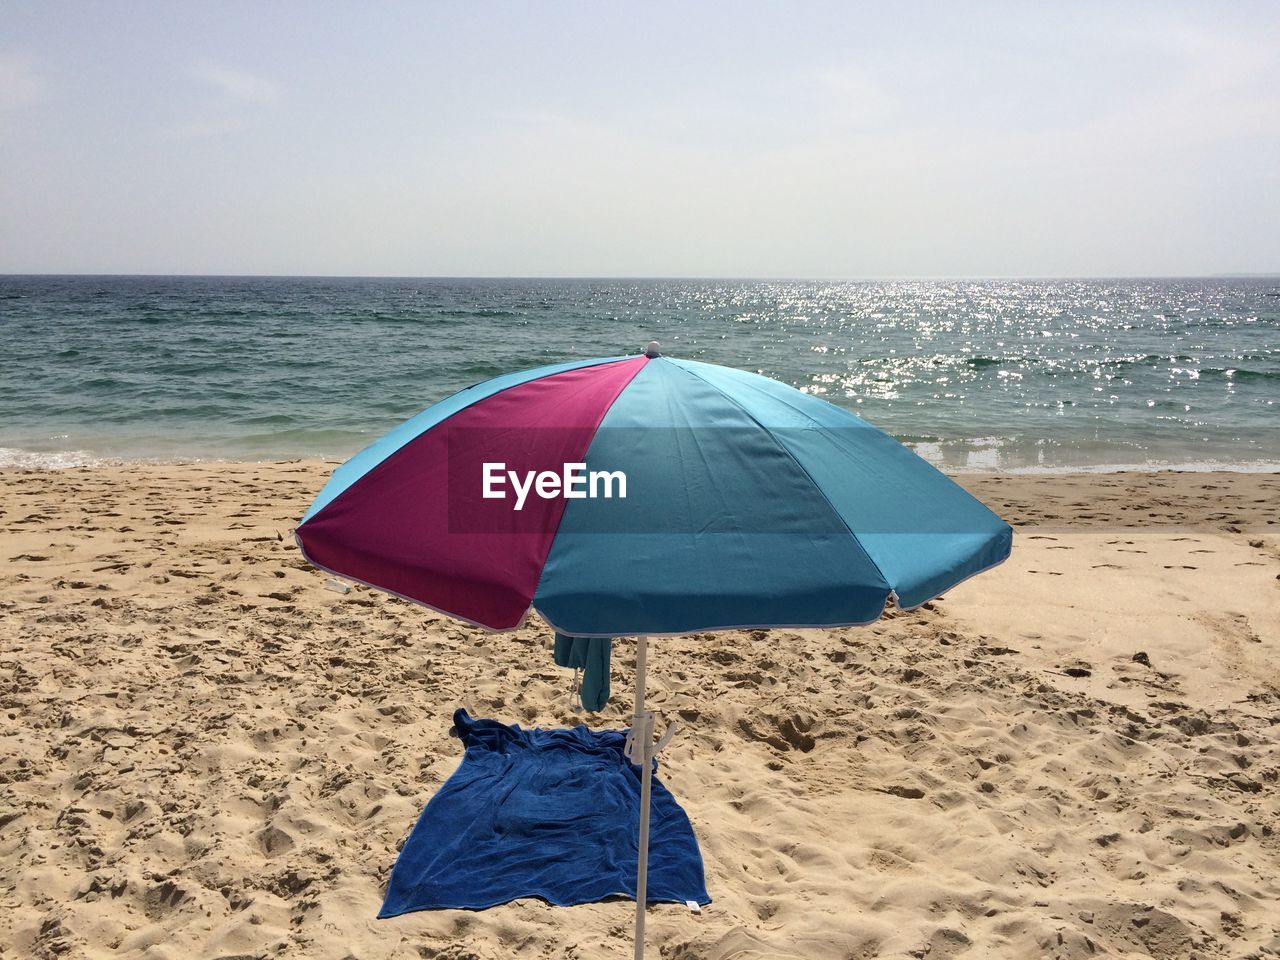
644	496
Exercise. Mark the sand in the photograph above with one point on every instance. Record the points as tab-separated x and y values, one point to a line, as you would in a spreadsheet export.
208	754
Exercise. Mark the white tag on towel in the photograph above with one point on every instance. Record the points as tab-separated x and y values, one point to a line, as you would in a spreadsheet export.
693	906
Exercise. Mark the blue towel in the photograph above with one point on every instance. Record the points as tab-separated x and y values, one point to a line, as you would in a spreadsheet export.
542	813
591	656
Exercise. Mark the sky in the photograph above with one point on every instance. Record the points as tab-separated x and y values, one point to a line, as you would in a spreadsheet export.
732	139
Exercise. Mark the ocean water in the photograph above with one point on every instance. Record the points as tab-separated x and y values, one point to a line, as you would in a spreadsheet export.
975	375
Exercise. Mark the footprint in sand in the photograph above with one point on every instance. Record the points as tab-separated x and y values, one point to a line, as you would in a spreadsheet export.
1078	669
274	841
907	793
161	900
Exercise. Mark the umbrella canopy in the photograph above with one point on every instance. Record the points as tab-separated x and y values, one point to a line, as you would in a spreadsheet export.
683	497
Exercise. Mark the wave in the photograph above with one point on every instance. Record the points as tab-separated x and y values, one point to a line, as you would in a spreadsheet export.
1246	375
480	313
102	383
13	458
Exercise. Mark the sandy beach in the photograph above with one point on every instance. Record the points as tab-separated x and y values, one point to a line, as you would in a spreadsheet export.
207	754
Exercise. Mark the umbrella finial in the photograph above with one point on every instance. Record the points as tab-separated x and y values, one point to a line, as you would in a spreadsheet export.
651	349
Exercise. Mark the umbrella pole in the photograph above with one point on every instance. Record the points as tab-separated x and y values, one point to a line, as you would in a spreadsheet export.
644	732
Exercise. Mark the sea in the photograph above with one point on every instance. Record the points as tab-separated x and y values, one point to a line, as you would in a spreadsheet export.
975	375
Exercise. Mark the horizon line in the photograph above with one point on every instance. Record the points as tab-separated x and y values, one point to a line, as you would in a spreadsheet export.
1260	275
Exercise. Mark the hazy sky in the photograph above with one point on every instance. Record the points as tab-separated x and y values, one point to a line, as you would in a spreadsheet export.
640	139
